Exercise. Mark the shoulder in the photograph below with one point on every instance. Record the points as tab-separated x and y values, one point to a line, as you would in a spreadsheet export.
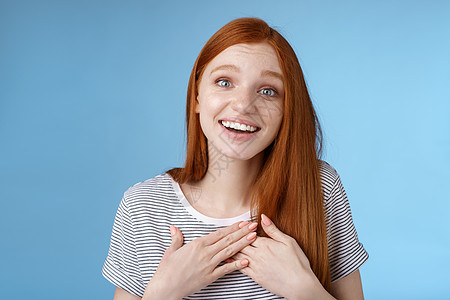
345	253
152	190
327	172
328	177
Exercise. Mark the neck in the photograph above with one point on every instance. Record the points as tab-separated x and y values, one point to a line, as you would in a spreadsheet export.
226	187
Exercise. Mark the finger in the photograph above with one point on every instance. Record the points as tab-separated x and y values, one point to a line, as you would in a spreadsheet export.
240	256
233	243
248	271
245	271
233	237
223	232
261	241
229	267
271	230
177	239
249	250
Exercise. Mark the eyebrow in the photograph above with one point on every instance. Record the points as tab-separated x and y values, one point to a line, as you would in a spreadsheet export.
236	69
226	67
272	74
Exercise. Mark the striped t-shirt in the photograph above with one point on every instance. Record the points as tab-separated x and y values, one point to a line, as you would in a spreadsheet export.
141	235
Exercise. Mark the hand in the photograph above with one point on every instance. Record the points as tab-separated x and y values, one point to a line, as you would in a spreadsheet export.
280	266
186	269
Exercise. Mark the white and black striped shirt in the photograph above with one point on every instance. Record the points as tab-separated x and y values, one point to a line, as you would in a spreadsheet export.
141	235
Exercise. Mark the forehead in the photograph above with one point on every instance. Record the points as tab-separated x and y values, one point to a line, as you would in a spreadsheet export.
256	55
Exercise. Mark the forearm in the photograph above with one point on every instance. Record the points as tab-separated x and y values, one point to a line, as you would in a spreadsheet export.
314	291
156	291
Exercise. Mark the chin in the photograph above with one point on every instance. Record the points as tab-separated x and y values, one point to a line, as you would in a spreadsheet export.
238	153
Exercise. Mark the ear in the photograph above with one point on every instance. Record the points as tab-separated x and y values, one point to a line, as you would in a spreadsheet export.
197	106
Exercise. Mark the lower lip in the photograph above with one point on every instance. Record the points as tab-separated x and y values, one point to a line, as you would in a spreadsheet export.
241	137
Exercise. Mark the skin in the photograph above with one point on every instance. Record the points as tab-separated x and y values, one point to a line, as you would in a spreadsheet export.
194	265
279	265
241	82
347	288
232	85
238	83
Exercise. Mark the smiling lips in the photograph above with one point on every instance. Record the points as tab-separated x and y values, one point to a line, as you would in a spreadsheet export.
239	127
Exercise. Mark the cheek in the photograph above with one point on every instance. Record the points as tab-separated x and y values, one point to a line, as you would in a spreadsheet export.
211	104
274	118
271	112
209	109
275	129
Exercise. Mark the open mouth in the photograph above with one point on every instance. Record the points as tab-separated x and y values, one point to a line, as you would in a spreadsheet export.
236	127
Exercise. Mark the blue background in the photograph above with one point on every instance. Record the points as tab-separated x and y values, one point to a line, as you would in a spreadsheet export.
92	100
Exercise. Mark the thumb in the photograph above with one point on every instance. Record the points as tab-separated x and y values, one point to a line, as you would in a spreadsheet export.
177	239
271	230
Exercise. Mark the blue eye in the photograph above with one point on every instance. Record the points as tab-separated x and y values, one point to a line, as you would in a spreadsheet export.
268	92
223	83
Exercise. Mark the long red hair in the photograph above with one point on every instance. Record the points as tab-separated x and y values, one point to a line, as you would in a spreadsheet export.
287	188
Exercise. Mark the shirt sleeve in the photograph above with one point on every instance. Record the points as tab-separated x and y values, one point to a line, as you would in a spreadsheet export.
121	266
346	254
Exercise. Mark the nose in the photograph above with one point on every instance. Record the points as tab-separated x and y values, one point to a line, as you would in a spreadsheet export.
244	100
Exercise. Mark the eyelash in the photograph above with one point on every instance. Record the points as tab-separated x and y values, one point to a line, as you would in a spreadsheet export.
222	80
275	92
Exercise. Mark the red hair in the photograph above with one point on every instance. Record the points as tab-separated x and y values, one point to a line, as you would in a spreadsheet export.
287	188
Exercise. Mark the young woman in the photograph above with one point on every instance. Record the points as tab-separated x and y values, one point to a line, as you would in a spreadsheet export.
254	213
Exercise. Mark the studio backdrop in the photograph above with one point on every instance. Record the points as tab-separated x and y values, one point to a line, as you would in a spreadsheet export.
92	101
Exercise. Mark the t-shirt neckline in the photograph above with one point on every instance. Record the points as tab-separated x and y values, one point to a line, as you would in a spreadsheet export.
198	215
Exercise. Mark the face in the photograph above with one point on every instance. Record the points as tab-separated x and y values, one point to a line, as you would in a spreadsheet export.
240	100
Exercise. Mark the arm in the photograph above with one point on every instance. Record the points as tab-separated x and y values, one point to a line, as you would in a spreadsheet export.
279	265
121	294
192	266
348	287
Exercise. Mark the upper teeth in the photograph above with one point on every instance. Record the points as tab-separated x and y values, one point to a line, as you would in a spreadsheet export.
238	126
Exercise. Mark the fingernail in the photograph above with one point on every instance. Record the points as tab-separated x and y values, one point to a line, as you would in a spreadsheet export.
251	236
252	226
244	262
172	230
242	224
266	221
